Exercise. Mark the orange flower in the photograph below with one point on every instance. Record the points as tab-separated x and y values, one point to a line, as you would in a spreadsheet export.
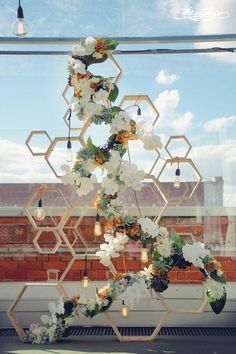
83	76
155	271
101	46
99	161
75	299
78	93
93	85
119	276
103	292
134	229
123	138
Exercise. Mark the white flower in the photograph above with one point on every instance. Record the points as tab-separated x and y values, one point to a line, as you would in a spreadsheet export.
164	247
149	227
46	320
60	307
100	95
79	67
90	44
120	122
195	253
163	231
79	50
68	177
113	164
216	289
52	307
86	185
131	176
92	109
110	186
151	142
142	128
75	107
110	250
97	55
90	165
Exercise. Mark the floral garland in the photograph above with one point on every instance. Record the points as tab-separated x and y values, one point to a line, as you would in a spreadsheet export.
93	100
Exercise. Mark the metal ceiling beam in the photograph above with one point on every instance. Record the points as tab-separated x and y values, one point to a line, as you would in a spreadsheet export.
122	52
122	40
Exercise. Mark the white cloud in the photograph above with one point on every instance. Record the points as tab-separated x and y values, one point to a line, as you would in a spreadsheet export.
165	78
218	124
167	104
183	123
17	165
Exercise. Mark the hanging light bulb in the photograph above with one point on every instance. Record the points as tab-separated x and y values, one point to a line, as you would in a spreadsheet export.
85	280
97	226
124	310
39	213
69	152
177	178
20	27
144	254
139	112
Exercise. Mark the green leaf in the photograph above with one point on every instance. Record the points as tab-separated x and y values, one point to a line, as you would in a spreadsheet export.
179	242
91	60
94	149
219	278
111	45
116	109
113	94
217	305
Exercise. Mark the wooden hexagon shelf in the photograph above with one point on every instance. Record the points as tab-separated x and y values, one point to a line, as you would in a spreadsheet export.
30	137
125	338
178	138
11	314
139	98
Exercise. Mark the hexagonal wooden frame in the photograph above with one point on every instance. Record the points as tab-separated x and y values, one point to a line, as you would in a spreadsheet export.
149	338
54	249
52	146
117	67
75	228
141	98
178	137
11	314
37	132
64	218
158	186
197	173
167	311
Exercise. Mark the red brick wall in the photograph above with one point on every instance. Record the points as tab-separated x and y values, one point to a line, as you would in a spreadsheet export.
16	234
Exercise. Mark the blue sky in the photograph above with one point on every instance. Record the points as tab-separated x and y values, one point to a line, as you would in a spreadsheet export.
195	94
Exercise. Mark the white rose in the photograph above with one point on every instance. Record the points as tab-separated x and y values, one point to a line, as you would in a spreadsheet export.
149	227
151	142
100	95
90	44
79	67
110	186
